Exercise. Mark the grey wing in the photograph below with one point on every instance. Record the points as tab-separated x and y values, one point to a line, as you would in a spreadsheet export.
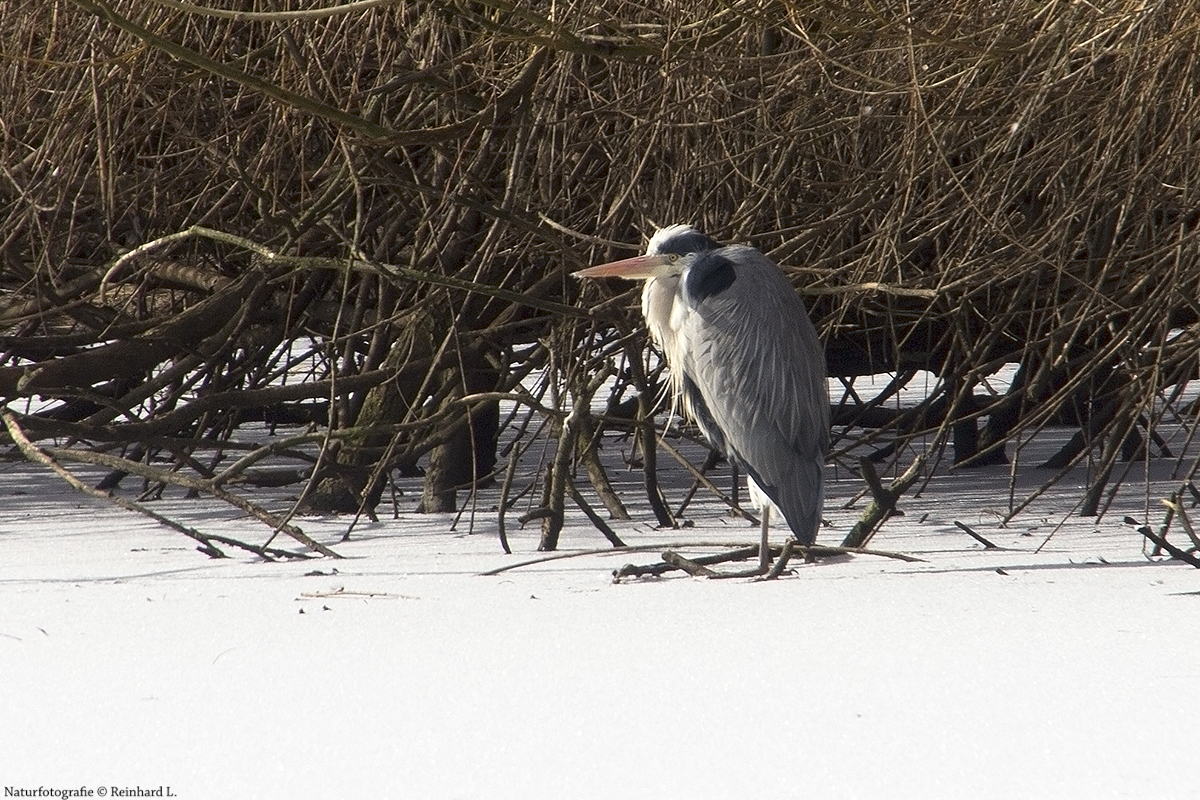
759	372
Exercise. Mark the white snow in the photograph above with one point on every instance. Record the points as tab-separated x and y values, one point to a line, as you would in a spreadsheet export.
127	659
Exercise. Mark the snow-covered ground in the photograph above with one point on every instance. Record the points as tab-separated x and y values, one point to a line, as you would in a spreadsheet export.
1063	665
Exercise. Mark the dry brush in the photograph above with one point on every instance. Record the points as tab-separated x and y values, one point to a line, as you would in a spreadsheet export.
356	222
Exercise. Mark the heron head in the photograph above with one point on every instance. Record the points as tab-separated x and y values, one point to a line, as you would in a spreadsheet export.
680	239
649	266
666	256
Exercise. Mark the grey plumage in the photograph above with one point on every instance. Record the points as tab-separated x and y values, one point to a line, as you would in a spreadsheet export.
745	362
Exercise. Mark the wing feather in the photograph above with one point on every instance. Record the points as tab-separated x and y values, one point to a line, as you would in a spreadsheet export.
753	356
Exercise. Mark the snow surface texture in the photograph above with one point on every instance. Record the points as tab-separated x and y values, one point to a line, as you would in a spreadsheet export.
128	659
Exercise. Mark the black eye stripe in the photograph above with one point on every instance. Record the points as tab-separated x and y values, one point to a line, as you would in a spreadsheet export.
687	242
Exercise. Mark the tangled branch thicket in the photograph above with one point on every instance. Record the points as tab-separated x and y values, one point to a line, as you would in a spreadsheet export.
360	221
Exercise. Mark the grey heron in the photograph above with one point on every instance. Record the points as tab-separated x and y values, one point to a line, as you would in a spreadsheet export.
745	364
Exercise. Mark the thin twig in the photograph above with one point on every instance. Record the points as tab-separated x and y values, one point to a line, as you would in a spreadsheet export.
752	548
200	485
693	568
884	500
974	535
1179	511
37	455
706	482
1174	551
591	514
781	562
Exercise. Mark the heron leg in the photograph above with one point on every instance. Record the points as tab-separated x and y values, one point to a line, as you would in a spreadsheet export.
764	550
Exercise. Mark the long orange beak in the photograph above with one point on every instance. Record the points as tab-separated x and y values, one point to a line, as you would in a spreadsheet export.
637	267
